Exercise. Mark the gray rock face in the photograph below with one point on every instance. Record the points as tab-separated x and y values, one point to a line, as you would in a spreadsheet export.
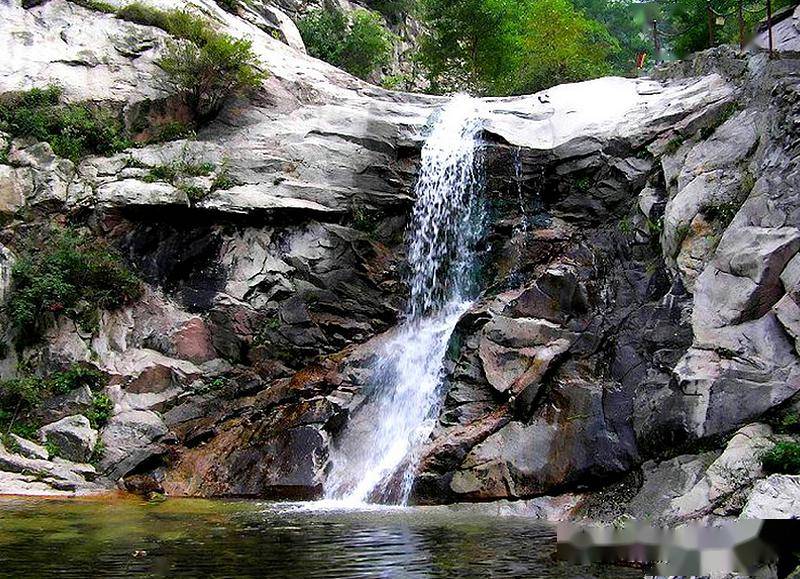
725	484
73	436
29	449
129	439
777	497
79	401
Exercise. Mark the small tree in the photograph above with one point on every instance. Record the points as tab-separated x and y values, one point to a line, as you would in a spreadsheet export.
208	75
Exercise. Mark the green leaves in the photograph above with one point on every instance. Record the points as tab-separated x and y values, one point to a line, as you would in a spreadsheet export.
209	74
502	47
207	69
783	458
360	46
73	130
67	274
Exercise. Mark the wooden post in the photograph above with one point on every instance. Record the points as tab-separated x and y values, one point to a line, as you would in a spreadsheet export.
740	5
769	27
710	23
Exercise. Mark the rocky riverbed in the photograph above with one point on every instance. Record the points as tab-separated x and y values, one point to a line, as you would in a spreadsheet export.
632	352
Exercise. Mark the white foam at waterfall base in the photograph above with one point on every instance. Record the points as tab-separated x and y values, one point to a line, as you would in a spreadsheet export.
376	457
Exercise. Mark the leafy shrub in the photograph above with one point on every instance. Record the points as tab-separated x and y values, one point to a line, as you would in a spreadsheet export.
66	274
19	396
783	458
208	69
223	180
102	408
172	131
72	129
76	376
178	169
208	75
97	5
178	23
360	46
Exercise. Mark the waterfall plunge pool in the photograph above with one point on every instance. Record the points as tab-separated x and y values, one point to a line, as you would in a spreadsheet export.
116	537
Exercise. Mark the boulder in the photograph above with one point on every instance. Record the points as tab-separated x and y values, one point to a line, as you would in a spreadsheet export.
16	185
29	449
665	481
724	485
576	438
129	439
56	477
776	497
743	281
73	436
79	401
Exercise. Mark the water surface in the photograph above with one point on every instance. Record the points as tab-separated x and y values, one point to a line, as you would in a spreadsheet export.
200	538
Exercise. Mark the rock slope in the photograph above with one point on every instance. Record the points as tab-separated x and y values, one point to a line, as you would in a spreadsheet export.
636	333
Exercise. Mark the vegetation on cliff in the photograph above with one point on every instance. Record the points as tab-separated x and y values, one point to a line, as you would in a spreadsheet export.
73	130
19	398
66	274
208	67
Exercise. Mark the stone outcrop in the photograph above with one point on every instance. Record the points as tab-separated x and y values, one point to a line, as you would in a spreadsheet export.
637	329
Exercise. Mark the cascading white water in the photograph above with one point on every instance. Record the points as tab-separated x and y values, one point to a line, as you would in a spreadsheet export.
376	457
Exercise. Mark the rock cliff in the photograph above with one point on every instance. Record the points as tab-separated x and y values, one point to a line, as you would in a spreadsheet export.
635	339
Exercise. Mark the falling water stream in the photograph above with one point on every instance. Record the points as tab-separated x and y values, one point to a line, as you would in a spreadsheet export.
376	457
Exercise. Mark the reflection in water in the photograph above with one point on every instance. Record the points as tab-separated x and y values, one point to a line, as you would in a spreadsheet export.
196	538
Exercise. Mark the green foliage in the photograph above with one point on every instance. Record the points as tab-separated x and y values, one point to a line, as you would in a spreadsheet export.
625	22
179	169
361	45
231	6
73	130
362	220
20	396
102	408
10	444
207	70
98	451
172	131
688	18
789	423
783	458
497	47
392	10
76	376
178	23
396	82
223	180
673	145
176	173
209	74
52	449
503	47
66	274
193	192
722	213
96	5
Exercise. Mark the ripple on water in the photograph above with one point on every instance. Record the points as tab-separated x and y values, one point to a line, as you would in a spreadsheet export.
201	538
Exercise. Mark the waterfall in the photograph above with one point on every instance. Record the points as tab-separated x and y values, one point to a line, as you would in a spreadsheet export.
376	457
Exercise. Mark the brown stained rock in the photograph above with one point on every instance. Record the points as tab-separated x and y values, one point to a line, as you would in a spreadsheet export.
192	342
